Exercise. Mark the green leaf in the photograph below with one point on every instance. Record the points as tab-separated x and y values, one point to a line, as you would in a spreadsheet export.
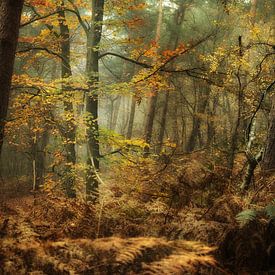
270	211
246	216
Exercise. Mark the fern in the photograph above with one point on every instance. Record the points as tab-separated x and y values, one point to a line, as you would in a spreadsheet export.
249	215
105	256
270	211
246	216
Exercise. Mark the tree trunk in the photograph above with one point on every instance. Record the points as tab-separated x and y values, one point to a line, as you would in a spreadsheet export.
175	126
175	35
150	122
93	40
251	159
163	122
269	154
10	14
69	133
210	123
236	131
153	99
203	99
131	118
41	158
116	110
111	114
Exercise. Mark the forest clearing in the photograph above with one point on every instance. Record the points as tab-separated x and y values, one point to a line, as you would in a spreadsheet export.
137	137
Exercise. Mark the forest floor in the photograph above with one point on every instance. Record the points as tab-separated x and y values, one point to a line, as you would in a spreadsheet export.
46	234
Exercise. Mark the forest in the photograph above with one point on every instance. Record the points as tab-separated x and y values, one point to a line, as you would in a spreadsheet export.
137	137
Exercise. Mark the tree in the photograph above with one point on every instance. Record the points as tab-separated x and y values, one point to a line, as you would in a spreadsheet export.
174	37
10	15
269	155
203	99
92	70
154	97
69	132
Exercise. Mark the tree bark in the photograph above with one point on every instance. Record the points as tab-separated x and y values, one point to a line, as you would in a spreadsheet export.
175	35
10	15
131	118
116	111
163	123
269	154
69	133
92	70
153	99
41	157
203	99
210	123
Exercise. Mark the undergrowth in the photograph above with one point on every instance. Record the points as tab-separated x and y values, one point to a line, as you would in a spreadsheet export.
170	208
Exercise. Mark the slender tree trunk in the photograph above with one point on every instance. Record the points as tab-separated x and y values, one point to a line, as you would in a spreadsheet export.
153	99
41	157
210	123
234	141
10	14
269	154
251	159
175	126
239	122
69	133
111	114
227	122
131	118
163	122
116	112
150	122
179	18
183	129
203	99
92	71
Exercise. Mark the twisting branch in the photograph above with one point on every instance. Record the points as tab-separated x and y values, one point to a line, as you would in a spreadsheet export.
144	65
260	44
41	17
258	108
35	19
162	66
84	25
175	56
41	49
37	14
260	66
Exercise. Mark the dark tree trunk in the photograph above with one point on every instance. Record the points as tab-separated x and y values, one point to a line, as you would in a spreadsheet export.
252	164
131	118
163	122
69	133
175	126
269	155
195	133
210	123
93	40
41	158
150	122
10	14
236	132
153	99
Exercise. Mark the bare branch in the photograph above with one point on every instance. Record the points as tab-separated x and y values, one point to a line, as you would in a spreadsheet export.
38	18
41	49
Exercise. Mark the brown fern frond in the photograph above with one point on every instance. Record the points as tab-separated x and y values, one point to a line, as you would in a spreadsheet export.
186	257
179	263
104	256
